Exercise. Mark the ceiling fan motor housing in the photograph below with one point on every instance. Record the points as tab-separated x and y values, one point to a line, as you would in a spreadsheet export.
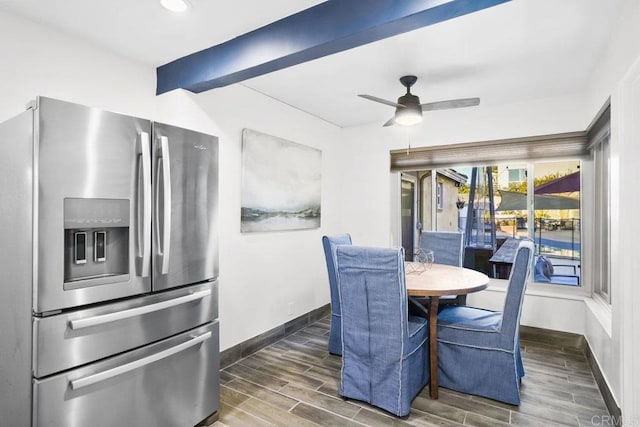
409	111
409	101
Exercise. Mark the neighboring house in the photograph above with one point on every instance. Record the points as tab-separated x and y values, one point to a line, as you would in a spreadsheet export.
444	206
510	174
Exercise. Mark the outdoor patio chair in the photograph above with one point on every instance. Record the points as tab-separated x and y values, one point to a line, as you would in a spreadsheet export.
545	271
385	354
478	349
447	247
329	244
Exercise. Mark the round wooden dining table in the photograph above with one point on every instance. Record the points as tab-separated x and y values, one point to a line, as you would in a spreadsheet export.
433	282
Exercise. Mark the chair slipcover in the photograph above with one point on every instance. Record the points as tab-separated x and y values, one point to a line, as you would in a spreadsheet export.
329	244
385	353
448	248
479	350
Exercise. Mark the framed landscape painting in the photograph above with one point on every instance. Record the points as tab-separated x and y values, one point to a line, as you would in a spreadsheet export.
281	183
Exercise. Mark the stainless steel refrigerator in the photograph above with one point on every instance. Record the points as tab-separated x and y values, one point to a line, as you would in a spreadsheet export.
108	267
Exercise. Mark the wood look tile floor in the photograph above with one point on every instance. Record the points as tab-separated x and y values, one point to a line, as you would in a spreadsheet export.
294	382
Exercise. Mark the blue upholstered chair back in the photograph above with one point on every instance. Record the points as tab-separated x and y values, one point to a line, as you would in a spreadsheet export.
329	243
446	246
520	272
385	352
371	281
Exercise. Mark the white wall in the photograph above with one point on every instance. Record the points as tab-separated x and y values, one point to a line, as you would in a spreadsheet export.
612	335
38	61
546	310
626	269
260	273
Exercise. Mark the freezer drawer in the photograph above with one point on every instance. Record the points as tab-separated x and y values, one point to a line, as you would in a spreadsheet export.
75	338
174	382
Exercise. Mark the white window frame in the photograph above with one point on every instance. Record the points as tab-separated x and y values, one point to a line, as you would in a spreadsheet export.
416	237
601	254
439	195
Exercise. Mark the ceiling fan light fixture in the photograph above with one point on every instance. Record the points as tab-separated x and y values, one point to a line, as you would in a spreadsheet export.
409	109
408	116
175	5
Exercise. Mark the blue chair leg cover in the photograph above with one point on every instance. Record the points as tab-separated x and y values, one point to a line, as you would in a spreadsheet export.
329	245
484	379
335	337
414	377
519	364
390	386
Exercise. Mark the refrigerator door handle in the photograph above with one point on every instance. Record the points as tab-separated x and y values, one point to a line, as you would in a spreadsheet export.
138	311
164	239
143	243
137	364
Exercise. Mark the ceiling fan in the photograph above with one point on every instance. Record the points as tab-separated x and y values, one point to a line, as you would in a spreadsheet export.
408	108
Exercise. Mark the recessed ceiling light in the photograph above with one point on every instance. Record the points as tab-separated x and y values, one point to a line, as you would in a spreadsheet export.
175	5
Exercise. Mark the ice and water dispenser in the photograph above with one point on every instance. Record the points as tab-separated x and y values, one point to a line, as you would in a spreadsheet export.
96	240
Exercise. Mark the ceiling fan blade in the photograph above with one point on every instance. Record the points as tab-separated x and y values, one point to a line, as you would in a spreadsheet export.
390	122
380	100
451	103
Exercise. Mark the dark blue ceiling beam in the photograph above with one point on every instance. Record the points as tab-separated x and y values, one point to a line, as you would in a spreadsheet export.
325	29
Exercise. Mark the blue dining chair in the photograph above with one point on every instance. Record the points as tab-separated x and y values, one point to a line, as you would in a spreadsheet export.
448	248
479	350
385	352
329	244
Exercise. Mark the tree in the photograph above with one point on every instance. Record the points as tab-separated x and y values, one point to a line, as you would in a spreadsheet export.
521	187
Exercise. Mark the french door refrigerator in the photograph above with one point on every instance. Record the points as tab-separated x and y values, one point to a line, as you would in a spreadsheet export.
109	264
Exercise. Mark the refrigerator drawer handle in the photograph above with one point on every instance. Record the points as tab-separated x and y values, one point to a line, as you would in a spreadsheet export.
128	367
76	324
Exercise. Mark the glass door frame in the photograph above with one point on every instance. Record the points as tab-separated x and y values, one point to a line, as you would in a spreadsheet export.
414	207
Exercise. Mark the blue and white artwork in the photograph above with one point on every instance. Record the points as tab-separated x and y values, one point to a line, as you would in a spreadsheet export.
281	183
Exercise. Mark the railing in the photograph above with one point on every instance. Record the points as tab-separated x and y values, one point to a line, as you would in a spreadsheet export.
557	237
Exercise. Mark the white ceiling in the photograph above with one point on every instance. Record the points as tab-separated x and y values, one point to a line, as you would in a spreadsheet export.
519	50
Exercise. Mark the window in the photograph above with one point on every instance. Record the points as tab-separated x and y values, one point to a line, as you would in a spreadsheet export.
439	195
511	200
557	222
534	183
543	205
517	175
